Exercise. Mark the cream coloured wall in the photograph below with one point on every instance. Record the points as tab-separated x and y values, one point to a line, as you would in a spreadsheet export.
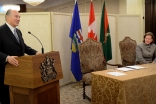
113	7
84	5
2	18
133	7
128	25
137	7
61	42
39	25
122	6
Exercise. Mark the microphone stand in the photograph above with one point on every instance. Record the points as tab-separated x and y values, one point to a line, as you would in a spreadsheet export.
38	40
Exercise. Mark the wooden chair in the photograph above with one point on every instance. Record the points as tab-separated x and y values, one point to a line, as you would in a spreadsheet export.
128	51
91	59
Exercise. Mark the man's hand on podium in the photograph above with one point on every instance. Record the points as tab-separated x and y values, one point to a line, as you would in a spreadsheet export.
12	60
38	53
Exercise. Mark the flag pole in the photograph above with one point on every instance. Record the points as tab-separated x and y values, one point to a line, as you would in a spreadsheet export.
79	81
78	85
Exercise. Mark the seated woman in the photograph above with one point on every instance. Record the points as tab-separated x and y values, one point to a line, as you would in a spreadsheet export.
146	50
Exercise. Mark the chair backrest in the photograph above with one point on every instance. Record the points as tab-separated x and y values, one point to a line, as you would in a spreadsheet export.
128	51
91	56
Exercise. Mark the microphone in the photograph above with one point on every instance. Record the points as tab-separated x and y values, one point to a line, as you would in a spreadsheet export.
38	40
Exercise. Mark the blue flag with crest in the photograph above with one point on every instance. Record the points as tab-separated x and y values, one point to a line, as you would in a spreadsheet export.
76	38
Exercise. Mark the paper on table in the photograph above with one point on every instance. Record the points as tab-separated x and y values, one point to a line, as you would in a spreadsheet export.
135	67
116	73
125	69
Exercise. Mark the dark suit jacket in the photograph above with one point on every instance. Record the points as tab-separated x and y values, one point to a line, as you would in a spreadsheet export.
10	46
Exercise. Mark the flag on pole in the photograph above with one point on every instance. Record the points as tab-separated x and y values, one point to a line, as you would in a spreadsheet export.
105	37
76	38
91	26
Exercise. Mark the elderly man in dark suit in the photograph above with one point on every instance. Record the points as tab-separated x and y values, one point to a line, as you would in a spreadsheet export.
11	46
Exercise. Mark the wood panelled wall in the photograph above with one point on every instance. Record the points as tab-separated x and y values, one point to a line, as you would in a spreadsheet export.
150	16
22	8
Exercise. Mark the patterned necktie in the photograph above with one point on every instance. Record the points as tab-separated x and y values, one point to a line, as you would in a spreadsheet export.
16	36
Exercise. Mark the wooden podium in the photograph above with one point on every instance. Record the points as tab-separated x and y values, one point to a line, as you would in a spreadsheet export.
35	80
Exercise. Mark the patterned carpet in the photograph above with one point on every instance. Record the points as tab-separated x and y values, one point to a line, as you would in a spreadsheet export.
72	94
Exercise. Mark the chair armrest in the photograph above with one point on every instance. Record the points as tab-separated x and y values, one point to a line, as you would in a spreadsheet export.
119	65
91	70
